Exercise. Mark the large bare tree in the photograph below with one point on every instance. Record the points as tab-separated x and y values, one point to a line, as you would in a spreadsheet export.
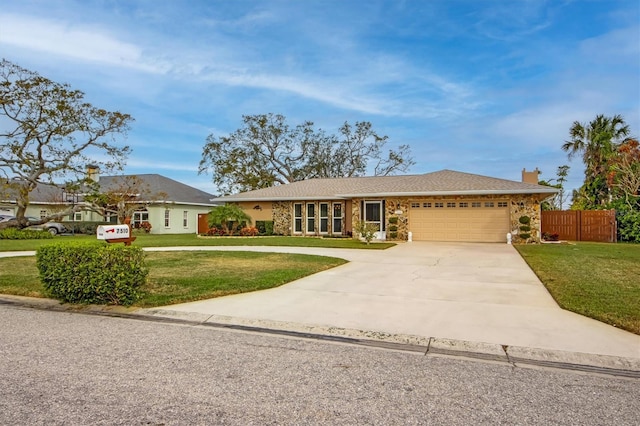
49	133
266	151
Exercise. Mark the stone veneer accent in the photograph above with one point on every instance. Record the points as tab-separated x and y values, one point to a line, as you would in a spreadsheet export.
392	205
282	217
526	205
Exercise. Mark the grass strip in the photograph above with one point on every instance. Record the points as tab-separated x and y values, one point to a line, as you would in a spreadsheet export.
598	280
170	240
178	277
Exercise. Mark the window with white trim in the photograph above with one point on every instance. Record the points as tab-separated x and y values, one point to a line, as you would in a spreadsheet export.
489	204
438	205
451	205
185	218
297	218
139	217
464	204
311	218
373	213
426	205
337	218
324	218
167	218
415	205
476	204
502	204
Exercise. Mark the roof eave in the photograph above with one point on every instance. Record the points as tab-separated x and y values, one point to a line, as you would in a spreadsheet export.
232	199
443	193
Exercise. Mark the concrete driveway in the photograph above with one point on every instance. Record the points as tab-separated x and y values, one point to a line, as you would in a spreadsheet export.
463	291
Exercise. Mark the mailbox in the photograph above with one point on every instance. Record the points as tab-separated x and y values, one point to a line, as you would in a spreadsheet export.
112	232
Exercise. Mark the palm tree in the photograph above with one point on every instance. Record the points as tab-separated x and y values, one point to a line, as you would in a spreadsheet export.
597	142
228	217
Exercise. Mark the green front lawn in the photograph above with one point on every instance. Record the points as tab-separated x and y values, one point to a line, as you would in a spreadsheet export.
153	240
177	277
598	280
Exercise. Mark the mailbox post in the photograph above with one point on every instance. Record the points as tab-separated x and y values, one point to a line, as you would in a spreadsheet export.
115	233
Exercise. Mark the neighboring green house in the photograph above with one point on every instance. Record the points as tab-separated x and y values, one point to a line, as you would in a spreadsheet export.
439	206
171	208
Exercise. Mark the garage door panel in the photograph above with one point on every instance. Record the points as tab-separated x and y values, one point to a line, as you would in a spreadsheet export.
484	224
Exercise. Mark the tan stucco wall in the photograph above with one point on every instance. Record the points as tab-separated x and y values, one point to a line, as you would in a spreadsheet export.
262	210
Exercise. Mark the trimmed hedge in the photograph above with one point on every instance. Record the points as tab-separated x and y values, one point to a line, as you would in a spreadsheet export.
92	273
24	234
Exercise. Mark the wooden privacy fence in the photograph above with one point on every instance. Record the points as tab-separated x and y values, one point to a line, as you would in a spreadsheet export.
581	225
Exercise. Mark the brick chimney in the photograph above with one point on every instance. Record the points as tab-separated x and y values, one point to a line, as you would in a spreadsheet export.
530	177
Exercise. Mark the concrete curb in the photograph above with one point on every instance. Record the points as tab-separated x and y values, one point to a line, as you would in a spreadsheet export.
430	346
514	355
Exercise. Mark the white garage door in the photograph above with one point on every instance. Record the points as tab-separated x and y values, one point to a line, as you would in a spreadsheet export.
472	221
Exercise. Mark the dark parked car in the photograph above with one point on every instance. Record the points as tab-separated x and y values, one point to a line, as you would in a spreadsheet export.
51	227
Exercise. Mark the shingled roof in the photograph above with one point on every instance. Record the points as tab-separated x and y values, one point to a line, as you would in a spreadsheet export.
175	191
154	185
443	182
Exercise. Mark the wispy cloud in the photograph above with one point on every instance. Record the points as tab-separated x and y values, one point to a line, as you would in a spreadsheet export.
352	90
68	40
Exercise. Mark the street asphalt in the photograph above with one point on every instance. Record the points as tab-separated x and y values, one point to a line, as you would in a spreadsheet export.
62	368
481	299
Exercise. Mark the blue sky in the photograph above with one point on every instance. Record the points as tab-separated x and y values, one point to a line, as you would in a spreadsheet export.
480	86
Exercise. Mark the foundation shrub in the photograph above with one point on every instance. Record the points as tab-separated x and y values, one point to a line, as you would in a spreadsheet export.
250	231
525	229
92	273
265	227
216	232
546	236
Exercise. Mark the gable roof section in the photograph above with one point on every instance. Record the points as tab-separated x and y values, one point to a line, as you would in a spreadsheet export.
175	191
443	182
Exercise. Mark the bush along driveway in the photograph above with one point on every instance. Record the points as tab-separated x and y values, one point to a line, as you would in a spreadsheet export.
174	276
